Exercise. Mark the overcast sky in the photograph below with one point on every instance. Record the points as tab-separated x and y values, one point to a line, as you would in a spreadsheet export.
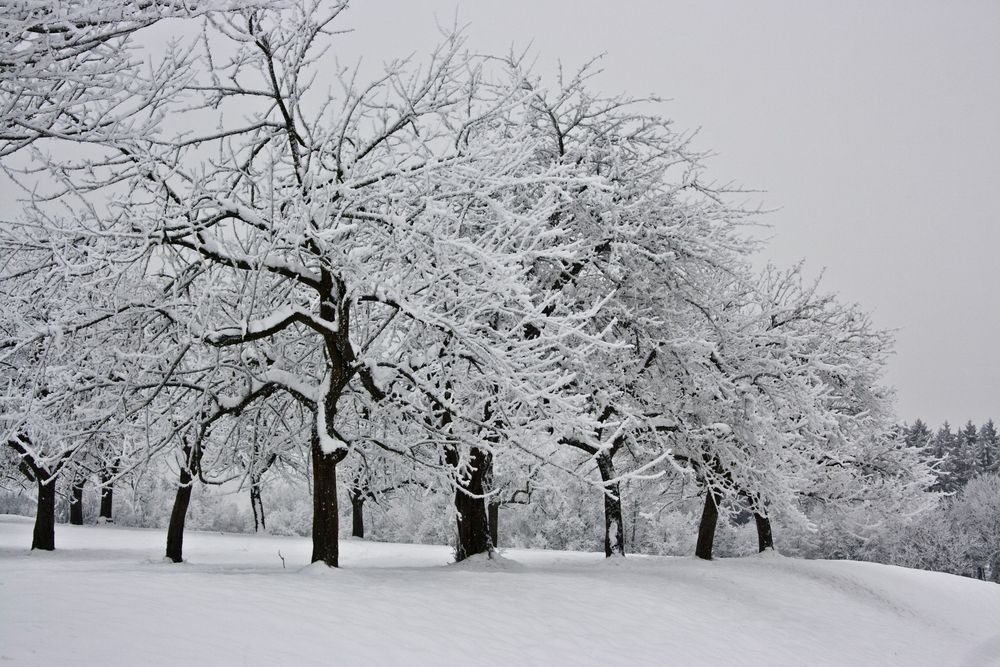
873	128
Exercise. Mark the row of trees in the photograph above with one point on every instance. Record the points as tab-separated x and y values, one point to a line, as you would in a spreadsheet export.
961	455
961	535
235	256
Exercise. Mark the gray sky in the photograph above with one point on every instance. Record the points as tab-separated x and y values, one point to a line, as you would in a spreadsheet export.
874	128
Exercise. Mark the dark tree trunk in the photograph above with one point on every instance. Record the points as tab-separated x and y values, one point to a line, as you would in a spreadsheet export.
257	504
175	529
614	530
357	512
494	519
44	535
706	529
470	505
492	506
76	502
765	540
326	526
333	307
108	492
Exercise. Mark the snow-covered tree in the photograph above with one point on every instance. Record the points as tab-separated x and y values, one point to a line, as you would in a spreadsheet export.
918	435
650	235
788	397
354	234
68	361
452	274
78	70
987	455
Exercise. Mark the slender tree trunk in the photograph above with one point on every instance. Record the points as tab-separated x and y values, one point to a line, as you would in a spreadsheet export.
357	497
175	529
492	506
76	502
107	492
765	540
614	530
470	505
257	505
494	520
706	529
256	475
44	535
325	520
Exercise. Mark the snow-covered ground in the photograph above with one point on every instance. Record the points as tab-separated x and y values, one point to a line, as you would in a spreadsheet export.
106	597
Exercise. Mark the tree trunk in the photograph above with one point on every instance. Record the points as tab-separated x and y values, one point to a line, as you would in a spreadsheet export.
765	540
175	529
326	524
706	529
494	519
44	535
76	502
470	505
256	475
357	497
614	530
107	492
340	356
257	504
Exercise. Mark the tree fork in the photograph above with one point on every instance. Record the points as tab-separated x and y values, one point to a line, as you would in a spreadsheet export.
43	535
340	356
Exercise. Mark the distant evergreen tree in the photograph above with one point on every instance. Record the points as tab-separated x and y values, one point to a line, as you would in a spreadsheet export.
962	456
987	454
918	435
944	448
965	467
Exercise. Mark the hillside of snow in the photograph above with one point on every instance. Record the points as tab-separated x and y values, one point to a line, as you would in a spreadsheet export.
107	597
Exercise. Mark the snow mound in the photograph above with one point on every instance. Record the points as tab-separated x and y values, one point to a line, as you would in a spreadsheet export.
488	562
318	569
769	554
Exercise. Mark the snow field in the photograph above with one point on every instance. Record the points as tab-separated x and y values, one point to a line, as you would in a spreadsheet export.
106	596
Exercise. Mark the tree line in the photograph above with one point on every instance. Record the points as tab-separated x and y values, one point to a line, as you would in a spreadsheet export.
236	257
961	455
